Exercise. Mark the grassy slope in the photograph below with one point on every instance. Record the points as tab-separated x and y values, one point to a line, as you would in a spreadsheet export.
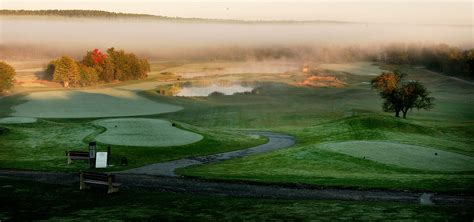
41	146
307	163
39	201
327	114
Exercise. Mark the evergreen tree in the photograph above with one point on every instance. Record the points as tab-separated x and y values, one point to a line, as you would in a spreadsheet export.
66	72
7	75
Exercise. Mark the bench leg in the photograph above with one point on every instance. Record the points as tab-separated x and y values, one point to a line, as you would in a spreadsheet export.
83	185
68	160
112	189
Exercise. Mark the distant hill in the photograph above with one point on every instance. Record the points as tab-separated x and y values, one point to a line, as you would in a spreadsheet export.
75	13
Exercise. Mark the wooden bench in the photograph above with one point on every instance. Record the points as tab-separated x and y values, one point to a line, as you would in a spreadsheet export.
105	179
76	155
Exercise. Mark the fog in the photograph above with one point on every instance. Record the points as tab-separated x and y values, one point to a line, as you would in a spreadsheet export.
174	39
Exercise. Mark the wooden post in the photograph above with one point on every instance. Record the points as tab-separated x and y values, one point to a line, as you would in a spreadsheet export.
81	181
92	150
111	188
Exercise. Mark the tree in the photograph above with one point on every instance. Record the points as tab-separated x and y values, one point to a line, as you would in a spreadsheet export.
128	66
101	63
66	72
96	66
7	75
88	76
401	95
108	71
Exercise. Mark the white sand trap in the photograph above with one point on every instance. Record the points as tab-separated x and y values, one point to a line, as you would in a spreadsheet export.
144	132
89	103
15	120
409	156
356	68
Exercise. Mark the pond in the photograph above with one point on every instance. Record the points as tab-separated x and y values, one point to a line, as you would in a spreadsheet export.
205	88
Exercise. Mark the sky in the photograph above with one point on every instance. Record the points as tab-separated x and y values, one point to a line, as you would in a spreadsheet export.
455	12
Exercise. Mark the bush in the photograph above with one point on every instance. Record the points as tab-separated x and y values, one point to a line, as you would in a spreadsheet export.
216	93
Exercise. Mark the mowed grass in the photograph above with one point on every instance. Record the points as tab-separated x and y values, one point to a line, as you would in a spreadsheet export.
144	132
313	116
42	145
403	155
91	103
39	201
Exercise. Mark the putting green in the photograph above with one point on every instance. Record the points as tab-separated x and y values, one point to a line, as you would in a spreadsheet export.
409	156
16	120
89	104
144	132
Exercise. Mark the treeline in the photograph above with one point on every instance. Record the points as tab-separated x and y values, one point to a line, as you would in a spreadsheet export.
440	58
106	14
97	67
72	13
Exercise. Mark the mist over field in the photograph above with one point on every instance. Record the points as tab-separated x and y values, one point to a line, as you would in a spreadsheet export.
53	36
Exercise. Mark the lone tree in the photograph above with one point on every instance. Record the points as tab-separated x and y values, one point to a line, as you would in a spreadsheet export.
401	95
7	74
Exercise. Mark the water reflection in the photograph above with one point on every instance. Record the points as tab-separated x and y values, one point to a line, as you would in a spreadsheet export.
206	88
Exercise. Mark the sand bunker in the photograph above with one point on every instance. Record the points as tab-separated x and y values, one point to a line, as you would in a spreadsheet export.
144	132
409	156
88	104
15	120
321	81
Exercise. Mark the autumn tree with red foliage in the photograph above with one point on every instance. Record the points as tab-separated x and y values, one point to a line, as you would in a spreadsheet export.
96	67
98	57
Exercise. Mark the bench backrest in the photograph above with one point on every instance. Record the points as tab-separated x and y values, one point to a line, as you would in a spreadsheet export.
97	176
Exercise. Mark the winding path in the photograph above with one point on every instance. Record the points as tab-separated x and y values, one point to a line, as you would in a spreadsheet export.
276	141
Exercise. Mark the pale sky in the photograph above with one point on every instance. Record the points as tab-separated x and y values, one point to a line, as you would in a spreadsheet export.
383	11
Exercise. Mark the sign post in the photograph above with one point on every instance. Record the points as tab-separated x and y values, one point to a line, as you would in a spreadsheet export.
92	152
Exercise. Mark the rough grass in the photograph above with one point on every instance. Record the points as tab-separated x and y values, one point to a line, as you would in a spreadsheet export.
403	155
41	145
144	132
224	68
39	201
356	68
